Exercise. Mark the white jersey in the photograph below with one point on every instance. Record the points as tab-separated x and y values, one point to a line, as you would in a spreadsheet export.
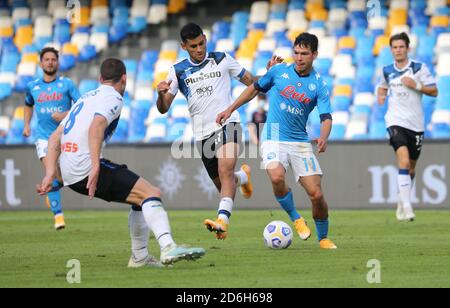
207	88
405	104
75	160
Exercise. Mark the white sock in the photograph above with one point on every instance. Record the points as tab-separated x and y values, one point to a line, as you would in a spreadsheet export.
139	233
404	186
241	177
158	221
225	209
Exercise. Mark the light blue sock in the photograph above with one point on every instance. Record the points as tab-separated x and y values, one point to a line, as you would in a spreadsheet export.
322	228
287	203
54	197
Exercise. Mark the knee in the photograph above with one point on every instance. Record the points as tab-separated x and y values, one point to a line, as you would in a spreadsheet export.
316	196
151	192
278	180
226	173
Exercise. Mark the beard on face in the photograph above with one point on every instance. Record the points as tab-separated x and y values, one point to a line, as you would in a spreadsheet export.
50	72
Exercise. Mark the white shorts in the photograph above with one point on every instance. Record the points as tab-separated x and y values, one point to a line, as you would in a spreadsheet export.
41	148
298	155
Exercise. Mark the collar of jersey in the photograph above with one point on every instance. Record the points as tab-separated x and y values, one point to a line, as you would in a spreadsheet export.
304	76
110	88
198	64
405	68
43	80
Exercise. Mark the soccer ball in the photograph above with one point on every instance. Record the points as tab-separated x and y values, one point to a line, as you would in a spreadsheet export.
278	235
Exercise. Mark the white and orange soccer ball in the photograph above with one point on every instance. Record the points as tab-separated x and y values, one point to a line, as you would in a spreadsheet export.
278	235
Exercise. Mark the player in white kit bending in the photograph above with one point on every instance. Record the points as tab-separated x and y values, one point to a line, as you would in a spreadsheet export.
406	80
79	141
205	80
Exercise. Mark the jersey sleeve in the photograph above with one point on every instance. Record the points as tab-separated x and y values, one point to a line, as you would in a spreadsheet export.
323	99
174	85
236	70
266	82
29	100
425	77
111	109
382	82
73	92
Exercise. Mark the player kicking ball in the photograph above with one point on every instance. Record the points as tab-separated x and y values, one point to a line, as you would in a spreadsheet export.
205	80
79	141
293	92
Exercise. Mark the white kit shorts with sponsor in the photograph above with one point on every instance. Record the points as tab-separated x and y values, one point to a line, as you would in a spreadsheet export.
298	155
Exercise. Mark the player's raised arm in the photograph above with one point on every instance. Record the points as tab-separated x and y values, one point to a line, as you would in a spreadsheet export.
423	83
248	79
167	90
51	167
249	94
165	98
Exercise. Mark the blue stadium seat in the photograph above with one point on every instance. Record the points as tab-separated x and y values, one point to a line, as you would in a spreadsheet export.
62	34
338	132
137	25
15	133
322	66
149	58
87	53
138	116
362	109
176	131
121	133
41	42
22	83
341	103
87	85
378	113
377	130
440	131
221	30
117	33
5	90
385	58
67	62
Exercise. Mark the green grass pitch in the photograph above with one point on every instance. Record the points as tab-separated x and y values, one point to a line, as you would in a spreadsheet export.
411	254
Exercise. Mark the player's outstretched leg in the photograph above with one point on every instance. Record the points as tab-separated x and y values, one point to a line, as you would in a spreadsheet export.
227	158
53	200
149	197
140	233
285	198
313	187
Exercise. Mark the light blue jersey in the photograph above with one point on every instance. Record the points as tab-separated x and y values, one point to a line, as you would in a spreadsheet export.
48	98
291	99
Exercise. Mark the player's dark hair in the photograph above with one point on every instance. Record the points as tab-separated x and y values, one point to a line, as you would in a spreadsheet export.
112	70
307	40
400	37
48	49
190	32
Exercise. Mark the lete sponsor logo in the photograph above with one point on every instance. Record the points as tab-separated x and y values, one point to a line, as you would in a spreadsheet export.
289	92
45	98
